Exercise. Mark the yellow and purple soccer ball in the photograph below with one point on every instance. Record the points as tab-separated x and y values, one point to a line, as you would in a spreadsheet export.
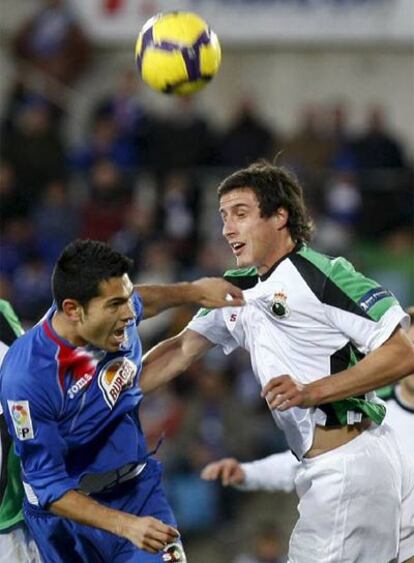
177	53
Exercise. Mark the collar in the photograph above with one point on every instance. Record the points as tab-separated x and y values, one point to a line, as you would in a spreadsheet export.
270	271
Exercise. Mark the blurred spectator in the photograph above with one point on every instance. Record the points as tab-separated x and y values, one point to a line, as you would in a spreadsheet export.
309	149
386	185
212	417
342	154
135	235
247	138
17	96
159	266
178	218
209	261
376	148
211	421
31	288
12	202
53	41
56	221
35	149
16	244
342	198
266	546
104	143
127	112
103	213
183	139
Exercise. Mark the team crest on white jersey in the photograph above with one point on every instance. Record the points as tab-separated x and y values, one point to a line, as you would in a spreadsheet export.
22	421
279	306
114	377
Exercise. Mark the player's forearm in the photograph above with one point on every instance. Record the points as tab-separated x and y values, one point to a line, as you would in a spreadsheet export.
205	292
83	509
157	298
273	473
384	366
170	358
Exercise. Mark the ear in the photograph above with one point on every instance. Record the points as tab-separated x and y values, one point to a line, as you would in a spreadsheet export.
282	217
73	310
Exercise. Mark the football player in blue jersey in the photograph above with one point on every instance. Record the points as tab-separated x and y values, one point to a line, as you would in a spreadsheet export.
70	393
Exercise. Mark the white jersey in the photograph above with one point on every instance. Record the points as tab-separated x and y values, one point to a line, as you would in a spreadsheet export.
277	472
309	316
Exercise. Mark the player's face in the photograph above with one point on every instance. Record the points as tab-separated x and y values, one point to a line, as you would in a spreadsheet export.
252	238
106	317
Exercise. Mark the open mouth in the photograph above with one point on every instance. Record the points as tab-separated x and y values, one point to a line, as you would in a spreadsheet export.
119	334
237	247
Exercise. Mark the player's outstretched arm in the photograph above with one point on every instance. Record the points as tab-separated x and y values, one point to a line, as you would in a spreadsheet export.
228	470
171	357
387	364
276	472
206	292
147	532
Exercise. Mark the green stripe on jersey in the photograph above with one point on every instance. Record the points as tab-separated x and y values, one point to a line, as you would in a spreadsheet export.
353	284
241	272
374	411
8	313
337	411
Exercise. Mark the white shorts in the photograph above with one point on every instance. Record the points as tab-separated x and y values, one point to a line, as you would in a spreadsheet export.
18	547
350	503
407	512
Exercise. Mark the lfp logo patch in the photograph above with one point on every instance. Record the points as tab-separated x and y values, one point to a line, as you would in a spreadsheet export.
22	422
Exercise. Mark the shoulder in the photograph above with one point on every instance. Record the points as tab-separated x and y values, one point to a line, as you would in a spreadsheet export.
29	356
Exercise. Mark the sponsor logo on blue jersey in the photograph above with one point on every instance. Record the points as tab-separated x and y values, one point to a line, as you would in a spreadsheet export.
115	376
373	296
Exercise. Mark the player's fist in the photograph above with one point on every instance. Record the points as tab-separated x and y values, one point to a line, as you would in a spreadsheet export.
284	392
216	292
228	470
149	534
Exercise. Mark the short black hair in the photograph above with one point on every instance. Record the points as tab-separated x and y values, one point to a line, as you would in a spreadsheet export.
82	266
274	187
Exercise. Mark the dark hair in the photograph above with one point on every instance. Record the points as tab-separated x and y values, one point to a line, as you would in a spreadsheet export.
82	266
410	312
274	187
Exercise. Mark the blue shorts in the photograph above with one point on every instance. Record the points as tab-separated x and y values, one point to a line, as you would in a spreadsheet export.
61	540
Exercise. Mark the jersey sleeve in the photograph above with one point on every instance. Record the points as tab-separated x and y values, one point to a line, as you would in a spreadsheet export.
276	472
210	323
360	308
31	418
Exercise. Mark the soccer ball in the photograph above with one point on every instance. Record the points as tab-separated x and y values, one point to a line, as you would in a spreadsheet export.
177	53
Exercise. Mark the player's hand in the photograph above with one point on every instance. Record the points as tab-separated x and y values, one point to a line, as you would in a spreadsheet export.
228	470
149	534
216	292
284	392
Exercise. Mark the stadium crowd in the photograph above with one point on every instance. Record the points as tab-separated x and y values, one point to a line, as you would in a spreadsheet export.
143	183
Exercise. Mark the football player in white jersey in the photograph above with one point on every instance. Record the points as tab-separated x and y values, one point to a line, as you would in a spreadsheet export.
277	472
321	337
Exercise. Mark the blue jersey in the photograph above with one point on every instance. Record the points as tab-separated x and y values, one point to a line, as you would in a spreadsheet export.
72	410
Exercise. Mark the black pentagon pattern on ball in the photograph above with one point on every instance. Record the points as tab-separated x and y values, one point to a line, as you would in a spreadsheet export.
191	56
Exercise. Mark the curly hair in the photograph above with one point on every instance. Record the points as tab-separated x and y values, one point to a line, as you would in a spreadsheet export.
274	187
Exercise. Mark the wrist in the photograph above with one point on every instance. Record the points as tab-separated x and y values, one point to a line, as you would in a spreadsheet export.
192	293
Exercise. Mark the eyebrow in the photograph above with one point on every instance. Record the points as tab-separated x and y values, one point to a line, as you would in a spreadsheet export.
115	300
235	206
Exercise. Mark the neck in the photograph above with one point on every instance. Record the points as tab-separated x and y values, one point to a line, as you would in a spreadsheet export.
65	329
281	250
